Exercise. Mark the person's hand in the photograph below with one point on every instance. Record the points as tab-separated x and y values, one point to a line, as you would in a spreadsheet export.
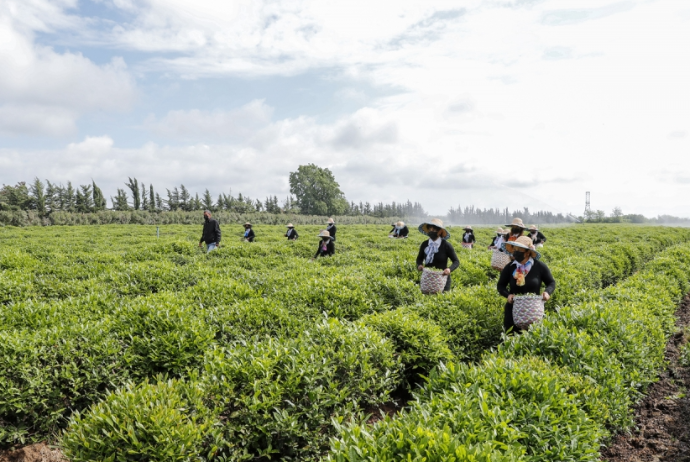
200	244
510	298
446	271
420	268
546	296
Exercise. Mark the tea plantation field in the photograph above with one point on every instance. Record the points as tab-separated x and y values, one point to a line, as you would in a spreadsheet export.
118	345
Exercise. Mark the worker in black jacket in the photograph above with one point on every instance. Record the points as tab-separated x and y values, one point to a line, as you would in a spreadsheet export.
291	232
248	232
436	251
401	231
538	239
468	238
211	233
326	245
524	275
331	228
498	240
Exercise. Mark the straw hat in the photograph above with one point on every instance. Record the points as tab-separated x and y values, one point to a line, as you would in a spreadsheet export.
517	222
533	228
468	227
248	224
443	233
290	225
324	233
330	221
522	242
400	223
500	231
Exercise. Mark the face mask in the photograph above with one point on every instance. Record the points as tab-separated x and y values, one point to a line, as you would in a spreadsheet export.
433	235
519	255
206	217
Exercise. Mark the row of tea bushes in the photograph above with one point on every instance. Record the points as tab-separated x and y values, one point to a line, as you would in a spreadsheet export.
552	393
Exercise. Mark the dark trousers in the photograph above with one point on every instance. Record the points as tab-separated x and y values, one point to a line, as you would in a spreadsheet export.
508	322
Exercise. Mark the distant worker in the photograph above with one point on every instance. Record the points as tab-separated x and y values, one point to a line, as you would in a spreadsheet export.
401	231
524	275
331	228
468	238
516	229
291	232
248	232
392	231
326	245
211	233
436	251
499	238
538	239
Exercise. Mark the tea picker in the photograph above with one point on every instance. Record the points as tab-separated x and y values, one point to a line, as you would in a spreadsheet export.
468	238
211	232
248	233
400	231
435	253
520	283
291	232
538	239
326	245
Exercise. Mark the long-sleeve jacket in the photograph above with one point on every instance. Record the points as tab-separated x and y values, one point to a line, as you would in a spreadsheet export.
403	232
330	249
468	238
440	261
539	274
249	235
496	238
211	232
540	238
291	234
331	230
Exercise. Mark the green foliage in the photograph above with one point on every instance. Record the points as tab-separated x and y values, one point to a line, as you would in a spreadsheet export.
161	421
316	191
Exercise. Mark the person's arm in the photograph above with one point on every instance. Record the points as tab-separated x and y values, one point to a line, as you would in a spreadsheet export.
453	256
504	280
217	233
547	279
295	235
421	254
318	249
405	231
542	238
474	239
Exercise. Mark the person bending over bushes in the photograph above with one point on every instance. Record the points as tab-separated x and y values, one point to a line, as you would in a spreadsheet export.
524	275
326	245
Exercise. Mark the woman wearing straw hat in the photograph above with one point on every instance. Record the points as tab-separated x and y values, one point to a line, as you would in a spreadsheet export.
525	275
291	232
468	239
248	232
436	251
538	239
401	230
331	228
516	229
498	239
326	245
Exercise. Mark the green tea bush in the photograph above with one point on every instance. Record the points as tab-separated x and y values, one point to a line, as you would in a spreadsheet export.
161	421
420	344
279	397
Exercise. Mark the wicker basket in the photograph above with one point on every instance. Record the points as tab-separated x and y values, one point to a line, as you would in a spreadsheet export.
527	309
433	282
499	260
467	245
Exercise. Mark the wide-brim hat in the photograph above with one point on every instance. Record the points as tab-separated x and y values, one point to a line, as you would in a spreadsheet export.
517	222
533	228
330	221
500	230
324	233
290	225
248	224
443	232
468	227
400	223
522	242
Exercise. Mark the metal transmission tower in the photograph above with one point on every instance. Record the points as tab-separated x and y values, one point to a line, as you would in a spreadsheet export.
587	209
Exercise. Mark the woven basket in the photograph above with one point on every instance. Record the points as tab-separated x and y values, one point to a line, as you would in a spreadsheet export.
527	309
467	245
499	260
433	282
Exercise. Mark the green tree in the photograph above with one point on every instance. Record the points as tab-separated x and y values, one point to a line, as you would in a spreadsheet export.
152	199
120	202
133	186
207	201
316	191
144	198
69	198
84	199
15	197
99	202
38	197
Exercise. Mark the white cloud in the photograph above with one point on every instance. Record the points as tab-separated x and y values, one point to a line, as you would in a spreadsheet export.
29	119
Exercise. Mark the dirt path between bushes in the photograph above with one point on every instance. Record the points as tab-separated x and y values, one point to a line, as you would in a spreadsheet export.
662	419
39	452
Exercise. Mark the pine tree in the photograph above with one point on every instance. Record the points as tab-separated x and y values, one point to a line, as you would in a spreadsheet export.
133	186
70	198
207	201
152	199
144	198
173	201
160	203
99	202
121	201
38	198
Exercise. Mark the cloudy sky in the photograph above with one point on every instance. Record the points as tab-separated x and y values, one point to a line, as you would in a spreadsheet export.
489	102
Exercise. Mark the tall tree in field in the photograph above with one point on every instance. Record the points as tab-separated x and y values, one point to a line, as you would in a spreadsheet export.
69	198
160	203
15	197
133	186
173	199
52	197
185	199
38	197
120	202
316	191
152	199
144	198
99	202
207	201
